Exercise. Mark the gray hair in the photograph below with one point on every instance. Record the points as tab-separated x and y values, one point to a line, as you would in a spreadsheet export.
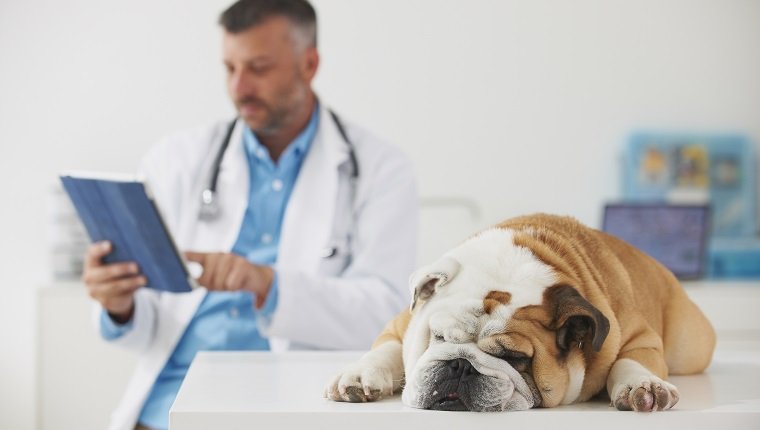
245	14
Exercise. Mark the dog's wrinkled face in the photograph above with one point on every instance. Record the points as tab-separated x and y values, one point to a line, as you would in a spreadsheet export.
492	330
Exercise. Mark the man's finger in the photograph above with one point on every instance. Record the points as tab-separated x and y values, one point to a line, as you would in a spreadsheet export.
105	273
128	285
208	270
198	257
222	270
96	252
116	288
235	277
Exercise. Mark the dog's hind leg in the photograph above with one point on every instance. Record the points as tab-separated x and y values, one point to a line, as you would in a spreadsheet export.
688	337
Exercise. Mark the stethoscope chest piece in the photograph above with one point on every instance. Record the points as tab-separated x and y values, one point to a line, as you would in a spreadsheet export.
328	252
209	209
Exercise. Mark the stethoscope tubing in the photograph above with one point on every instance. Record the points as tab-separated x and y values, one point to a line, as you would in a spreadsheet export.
209	207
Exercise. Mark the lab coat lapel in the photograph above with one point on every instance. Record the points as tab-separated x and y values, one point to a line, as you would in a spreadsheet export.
308	221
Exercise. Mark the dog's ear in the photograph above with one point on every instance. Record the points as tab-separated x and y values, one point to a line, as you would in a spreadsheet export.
575	319
426	280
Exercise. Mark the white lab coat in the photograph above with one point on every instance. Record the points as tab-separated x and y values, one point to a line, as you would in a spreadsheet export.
340	302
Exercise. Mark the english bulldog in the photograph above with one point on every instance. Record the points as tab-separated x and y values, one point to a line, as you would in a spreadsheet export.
538	311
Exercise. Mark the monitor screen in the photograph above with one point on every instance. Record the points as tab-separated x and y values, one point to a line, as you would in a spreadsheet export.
674	235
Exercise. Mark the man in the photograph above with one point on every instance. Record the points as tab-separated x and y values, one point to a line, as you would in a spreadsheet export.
313	238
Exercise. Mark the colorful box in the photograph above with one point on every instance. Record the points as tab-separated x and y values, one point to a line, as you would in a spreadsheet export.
683	168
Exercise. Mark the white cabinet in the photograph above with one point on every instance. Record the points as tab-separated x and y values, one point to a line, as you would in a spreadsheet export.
80	377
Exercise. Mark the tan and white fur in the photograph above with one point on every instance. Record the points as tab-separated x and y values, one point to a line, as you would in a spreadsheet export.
538	311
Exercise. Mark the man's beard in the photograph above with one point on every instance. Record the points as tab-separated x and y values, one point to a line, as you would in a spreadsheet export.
276	114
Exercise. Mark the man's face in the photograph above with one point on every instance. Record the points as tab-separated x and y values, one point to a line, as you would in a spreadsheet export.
269	74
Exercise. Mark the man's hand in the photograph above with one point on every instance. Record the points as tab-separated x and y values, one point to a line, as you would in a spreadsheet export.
231	272
112	285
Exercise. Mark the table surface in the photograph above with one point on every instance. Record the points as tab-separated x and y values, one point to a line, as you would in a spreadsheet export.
237	390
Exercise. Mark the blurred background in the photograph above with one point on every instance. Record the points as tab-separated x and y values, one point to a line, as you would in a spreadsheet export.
506	107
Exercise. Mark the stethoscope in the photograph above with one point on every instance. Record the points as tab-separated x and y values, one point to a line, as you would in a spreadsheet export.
210	209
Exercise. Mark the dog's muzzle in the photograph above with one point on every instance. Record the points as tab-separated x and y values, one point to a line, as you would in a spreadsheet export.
456	379
463	378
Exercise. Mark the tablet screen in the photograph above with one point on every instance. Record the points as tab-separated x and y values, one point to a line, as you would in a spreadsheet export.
674	235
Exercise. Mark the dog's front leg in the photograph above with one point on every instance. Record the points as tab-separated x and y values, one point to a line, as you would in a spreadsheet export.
380	372
632	386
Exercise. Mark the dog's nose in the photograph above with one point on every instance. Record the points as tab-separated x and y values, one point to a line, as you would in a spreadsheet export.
461	368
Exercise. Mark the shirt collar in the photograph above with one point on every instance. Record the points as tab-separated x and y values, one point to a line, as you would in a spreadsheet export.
297	148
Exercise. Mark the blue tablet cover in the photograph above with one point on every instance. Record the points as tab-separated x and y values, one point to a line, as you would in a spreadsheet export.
121	212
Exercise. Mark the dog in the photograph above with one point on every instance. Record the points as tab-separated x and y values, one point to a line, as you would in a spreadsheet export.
538	311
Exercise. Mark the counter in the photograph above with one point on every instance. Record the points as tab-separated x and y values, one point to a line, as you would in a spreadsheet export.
244	390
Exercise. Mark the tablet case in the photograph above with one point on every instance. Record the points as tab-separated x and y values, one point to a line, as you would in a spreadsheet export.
122	212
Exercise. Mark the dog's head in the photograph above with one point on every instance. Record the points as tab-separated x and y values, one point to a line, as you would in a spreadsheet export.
494	328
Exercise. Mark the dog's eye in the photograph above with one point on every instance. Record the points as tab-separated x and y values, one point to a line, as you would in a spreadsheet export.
517	360
438	337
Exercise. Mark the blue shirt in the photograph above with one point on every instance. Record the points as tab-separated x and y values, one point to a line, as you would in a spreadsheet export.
227	320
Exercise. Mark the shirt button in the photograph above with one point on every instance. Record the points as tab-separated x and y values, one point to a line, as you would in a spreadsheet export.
266	238
234	313
277	185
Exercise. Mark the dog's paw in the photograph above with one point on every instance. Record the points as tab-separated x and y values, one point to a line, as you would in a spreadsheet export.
360	383
644	394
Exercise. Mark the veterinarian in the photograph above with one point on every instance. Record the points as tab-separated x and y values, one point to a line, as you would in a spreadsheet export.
304	224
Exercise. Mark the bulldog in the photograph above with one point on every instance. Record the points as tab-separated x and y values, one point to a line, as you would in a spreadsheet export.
538	311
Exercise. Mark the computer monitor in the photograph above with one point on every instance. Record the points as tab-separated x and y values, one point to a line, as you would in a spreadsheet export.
674	235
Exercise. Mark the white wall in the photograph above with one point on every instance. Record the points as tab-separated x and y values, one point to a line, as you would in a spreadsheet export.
520	105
